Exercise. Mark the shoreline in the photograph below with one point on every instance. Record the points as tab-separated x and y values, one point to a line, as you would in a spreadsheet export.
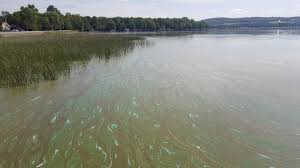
211	30
36	33
23	33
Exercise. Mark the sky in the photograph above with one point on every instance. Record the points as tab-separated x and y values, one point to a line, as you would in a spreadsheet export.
196	9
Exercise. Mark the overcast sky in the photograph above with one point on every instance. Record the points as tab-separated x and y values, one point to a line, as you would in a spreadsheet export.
197	9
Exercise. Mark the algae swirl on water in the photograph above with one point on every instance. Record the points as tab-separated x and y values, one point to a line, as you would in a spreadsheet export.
28	59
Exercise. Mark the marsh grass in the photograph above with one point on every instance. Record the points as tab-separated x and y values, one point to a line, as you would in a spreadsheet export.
28	59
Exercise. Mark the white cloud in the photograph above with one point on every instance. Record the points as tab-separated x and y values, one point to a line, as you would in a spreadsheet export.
197	9
239	11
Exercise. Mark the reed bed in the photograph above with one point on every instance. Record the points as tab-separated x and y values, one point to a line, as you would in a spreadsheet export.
28	59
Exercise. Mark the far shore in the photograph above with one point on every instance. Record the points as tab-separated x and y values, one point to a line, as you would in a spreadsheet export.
214	30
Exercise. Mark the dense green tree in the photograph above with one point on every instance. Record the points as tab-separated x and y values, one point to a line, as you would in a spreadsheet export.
109	24
140	23
1	18
55	18
129	23
28	18
77	22
68	22
51	8
4	15
151	25
87	24
44	21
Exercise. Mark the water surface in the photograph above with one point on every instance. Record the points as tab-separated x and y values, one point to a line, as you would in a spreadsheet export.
206	100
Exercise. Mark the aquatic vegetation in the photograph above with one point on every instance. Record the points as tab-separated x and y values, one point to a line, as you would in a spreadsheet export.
28	59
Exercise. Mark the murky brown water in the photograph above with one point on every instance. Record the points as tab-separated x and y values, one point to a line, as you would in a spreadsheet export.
186	101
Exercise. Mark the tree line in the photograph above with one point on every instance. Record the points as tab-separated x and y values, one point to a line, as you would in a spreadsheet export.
30	19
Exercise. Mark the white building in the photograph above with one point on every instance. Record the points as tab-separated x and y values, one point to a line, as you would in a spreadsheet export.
5	26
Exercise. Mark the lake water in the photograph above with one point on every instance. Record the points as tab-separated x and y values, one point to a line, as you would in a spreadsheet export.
201	100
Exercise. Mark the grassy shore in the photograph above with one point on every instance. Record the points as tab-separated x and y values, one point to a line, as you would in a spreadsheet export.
24	33
33	33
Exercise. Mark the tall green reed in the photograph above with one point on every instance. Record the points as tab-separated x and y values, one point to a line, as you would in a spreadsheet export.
28	59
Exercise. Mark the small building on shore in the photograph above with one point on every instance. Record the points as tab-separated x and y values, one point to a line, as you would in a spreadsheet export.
5	26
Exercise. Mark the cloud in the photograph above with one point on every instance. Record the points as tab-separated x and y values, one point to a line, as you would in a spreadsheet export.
239	11
197	9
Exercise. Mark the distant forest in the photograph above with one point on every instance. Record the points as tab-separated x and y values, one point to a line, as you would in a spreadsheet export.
254	22
29	19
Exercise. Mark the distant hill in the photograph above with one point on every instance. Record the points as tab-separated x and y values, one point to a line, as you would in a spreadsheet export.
254	22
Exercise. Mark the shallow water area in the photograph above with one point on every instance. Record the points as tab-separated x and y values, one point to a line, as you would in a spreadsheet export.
192	100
